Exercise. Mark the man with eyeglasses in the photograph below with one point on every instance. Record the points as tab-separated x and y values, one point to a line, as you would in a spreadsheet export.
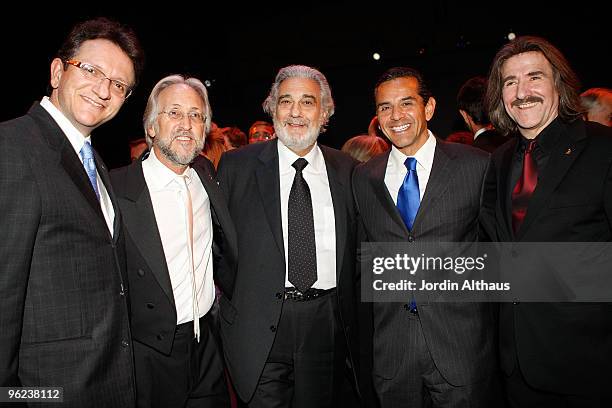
176	218
63	310
260	131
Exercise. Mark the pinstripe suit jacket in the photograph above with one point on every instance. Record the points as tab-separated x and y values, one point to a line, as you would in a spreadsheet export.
63	312
460	336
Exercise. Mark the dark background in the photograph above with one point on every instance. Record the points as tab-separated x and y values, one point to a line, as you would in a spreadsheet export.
239	50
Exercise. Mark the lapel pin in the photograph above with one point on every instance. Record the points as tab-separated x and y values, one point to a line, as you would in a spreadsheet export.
568	151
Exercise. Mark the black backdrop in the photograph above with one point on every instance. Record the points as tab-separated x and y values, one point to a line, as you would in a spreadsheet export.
240	50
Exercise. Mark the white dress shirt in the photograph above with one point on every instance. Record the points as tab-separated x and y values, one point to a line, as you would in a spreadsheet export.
167	190
479	132
396	170
315	174
77	140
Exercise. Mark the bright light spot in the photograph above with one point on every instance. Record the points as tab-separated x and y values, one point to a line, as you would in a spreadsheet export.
376	56
511	36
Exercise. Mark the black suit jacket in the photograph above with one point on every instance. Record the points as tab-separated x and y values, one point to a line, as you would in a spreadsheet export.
250	180
63	311
153	311
489	140
460	336
561	347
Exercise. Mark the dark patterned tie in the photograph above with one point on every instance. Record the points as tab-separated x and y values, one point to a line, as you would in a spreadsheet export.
301	241
524	187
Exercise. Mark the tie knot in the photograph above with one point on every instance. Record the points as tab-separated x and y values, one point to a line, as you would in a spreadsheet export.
410	163
87	151
530	147
299	164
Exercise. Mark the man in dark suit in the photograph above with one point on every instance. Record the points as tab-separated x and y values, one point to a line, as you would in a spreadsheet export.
288	328
553	182
63	310
173	214
470	101
424	354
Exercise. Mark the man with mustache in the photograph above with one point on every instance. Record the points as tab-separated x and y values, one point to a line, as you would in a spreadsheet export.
288	327
551	183
176	220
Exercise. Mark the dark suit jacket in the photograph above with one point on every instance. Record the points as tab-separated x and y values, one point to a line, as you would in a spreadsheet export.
63	311
460	336
249	178
489	140
561	347
153	311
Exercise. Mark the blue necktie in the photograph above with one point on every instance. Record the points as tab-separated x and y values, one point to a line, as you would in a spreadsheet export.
408	201
90	166
408	198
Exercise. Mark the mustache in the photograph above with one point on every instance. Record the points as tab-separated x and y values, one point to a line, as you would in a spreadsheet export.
296	121
184	133
529	99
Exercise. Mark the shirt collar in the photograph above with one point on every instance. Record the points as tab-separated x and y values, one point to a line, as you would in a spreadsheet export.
75	137
162	176
479	132
424	156
286	157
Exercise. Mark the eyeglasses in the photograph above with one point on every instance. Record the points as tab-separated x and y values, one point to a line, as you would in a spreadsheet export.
92	73
176	115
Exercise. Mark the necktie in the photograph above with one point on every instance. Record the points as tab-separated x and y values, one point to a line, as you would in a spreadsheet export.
302	254
408	201
189	217
89	163
524	187
408	198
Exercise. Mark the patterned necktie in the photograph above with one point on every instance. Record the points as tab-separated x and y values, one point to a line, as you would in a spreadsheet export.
189	217
408	201
302	253
524	187
89	163
408	198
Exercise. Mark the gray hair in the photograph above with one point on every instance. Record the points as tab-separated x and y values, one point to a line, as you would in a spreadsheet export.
152	109
301	71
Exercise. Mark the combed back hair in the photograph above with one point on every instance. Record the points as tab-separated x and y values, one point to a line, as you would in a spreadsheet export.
592	97
565	79
364	147
153	108
471	99
405	72
102	28
301	71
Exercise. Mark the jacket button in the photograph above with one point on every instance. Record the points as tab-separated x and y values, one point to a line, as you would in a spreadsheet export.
272	328
410	238
124	343
140	273
150	306
279	295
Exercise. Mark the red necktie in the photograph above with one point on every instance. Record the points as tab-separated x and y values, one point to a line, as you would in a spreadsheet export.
524	187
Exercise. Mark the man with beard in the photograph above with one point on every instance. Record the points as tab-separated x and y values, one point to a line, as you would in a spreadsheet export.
286	329
174	216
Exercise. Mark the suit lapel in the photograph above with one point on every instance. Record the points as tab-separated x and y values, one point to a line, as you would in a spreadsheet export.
504	192
269	187
104	176
337	189
377	180
141	223
561	158
439	177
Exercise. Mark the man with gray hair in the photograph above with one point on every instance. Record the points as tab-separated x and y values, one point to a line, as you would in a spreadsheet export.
175	216
598	105
287	326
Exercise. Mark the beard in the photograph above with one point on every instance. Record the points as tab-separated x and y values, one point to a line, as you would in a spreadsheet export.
297	142
174	155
